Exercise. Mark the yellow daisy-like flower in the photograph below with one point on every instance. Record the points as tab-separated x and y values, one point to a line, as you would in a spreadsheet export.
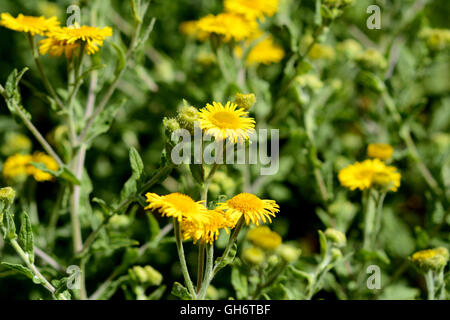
264	238
229	26
431	259
207	231
266	52
49	162
15	167
56	48
29	24
226	122
178	206
252	9
381	151
91	37
371	172
254	209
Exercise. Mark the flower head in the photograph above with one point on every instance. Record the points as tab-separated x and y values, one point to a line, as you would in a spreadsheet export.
75	35
178	206
252	9
229	26
381	151
369	173
253	256
254	209
226	122
266	52
29	24
431	259
56	48
264	238
15	167
47	161
245	100
208	229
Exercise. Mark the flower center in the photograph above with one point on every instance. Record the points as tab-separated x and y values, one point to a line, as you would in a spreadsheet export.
226	120
181	202
245	202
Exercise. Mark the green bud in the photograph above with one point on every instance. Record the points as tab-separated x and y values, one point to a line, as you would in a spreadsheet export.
336	237
187	116
15	143
171	124
7	196
253	256
245	101
273	260
431	259
336	254
289	253
145	275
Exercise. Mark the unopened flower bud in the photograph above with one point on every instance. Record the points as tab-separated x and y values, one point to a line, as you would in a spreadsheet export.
336	254
7	196
264	238
145	275
253	256
431	259
187	116
171	124
336	237
154	277
245	101
289	253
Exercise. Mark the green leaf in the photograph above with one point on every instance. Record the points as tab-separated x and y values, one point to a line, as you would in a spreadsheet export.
239	282
26	238
112	288
63	173
9	227
137	166
154	226
12	93
228	259
323	244
121	58
106	208
318	13
180	291
19	268
157	294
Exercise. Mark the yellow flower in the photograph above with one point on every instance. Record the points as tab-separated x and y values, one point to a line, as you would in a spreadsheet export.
29	24
178	206
207	230
91	37
266	52
371	172
431	259
188	28
371	59
264	238
56	48
245	100
254	209
436	39
252	9
15	167
253	256
229	26
46	160
226	122
381	151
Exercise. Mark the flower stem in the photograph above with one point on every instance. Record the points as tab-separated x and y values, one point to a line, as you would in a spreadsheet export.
429	278
208	271
369	216
181	256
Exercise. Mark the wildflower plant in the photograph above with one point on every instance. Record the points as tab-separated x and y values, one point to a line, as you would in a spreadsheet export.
109	116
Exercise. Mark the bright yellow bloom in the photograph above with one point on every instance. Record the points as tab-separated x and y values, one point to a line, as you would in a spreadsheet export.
189	28
431	259
208	230
381	151
229	26
56	48
178	206
266	52
46	160
226	122
91	37
252	9
254	209
264	238
15	167
19	166
371	172
29	24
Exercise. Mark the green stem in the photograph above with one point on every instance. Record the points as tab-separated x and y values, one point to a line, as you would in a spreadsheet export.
369	215
181	256
30	265
201	265
379	213
44	78
208	271
429	278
